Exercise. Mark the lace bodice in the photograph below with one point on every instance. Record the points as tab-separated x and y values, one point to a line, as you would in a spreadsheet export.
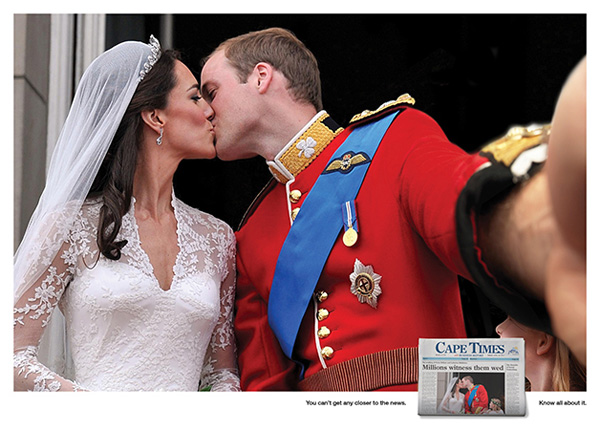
126	333
453	405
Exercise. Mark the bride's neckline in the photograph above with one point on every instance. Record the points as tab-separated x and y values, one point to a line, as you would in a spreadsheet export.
145	258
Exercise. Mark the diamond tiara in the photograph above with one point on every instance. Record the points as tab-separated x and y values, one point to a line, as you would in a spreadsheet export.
152	58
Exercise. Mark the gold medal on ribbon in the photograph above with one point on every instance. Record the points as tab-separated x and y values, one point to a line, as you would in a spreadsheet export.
350	237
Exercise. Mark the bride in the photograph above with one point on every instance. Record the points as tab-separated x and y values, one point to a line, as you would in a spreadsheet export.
453	401
145	282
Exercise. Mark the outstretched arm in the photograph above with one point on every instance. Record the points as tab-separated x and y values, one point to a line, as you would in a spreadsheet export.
566	168
536	236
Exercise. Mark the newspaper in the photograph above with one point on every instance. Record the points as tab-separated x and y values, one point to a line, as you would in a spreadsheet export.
472	377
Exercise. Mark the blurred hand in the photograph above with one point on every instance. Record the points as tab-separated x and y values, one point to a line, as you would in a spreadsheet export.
565	291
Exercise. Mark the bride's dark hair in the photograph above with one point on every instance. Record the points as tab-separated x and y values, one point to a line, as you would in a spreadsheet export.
454	385
114	181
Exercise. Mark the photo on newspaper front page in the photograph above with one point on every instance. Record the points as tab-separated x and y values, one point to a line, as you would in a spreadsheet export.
472	377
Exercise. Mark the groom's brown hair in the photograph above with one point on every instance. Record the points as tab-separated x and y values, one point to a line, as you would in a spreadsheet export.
285	52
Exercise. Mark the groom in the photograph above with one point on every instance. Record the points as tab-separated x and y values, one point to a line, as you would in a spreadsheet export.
476	399
350	254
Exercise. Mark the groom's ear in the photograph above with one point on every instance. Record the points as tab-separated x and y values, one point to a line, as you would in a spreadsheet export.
153	119
262	76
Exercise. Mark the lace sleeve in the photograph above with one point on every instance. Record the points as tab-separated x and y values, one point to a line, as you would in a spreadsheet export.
220	371
32	312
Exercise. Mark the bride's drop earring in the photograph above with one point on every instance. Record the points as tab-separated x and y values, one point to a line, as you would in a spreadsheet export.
159	138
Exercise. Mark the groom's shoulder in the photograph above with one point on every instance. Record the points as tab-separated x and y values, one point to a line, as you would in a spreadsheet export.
390	106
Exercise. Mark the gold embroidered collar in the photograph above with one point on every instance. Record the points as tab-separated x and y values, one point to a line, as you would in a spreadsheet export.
304	147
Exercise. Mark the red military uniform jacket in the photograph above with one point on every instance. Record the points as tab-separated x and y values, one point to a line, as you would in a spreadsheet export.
407	236
479	401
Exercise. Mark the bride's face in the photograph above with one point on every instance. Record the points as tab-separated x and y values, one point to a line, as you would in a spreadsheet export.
187	129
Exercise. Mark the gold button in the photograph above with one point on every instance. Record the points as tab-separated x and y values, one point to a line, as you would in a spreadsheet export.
322	314
295	196
323	332
321	296
327	352
295	213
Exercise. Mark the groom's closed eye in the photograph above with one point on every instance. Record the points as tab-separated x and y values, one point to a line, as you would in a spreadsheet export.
207	93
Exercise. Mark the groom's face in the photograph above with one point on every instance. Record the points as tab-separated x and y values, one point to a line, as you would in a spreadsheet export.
233	103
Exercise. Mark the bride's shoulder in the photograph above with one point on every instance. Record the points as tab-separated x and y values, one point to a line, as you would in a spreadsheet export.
196	217
72	211
90	209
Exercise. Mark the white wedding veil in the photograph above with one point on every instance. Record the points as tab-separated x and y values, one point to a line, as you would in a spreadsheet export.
102	97
447	395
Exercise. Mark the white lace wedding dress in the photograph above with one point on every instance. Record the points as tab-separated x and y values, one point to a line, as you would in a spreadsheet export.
453	405
124	331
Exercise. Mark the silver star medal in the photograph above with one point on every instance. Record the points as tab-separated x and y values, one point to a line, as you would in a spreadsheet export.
365	284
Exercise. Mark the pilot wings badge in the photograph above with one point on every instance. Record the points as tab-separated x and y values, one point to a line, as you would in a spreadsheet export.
347	162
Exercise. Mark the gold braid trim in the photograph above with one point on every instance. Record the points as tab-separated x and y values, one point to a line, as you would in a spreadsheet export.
518	139
294	159
366	373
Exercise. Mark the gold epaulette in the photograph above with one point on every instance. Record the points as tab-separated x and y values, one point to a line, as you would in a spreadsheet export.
516	141
403	99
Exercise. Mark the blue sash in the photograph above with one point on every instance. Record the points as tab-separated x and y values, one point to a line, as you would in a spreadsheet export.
472	395
314	232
